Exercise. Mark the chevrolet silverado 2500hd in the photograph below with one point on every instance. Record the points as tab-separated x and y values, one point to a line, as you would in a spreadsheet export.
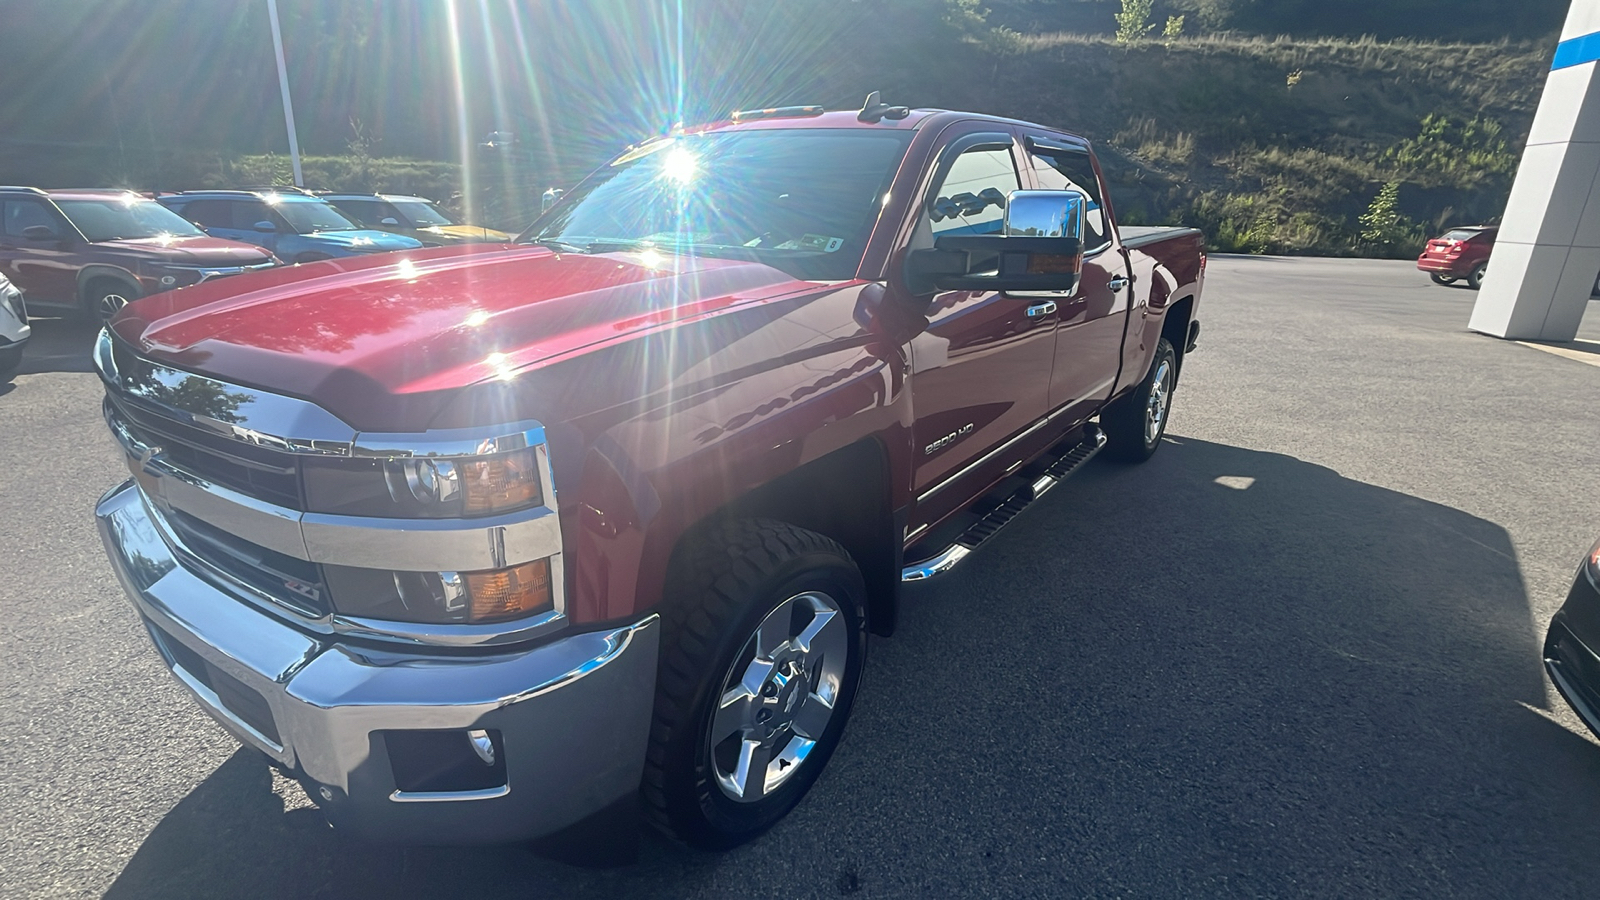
482	542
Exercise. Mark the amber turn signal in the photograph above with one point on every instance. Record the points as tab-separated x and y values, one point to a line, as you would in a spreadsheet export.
1052	263
510	593
509	481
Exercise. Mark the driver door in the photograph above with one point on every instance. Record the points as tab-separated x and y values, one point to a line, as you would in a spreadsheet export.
981	370
45	269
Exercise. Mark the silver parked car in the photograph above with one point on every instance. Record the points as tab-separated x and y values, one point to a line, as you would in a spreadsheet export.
14	330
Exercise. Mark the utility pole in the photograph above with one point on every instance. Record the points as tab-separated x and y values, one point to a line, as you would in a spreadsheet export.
283	86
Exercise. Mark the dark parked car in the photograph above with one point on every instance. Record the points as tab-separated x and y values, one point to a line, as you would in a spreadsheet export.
1572	646
291	223
95	250
413	217
1459	254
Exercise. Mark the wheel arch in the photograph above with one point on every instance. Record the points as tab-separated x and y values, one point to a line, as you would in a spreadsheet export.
101	272
1180	328
844	495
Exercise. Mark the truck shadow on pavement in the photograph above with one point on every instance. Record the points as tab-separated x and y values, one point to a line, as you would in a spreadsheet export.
1226	671
60	345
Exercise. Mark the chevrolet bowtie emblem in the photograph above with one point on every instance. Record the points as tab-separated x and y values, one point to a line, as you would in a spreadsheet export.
146	455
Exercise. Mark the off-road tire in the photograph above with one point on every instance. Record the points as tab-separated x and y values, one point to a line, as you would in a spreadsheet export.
721	585
1441	278
1124	421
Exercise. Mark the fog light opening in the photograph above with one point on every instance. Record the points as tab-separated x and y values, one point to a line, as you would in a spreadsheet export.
481	745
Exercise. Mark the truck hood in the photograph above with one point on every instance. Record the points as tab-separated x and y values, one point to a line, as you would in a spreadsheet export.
192	251
382	341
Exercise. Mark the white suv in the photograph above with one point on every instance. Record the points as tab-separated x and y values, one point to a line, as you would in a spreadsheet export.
14	330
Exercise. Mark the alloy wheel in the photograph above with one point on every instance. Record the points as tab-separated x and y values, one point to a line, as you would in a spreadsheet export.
109	305
779	696
1156	410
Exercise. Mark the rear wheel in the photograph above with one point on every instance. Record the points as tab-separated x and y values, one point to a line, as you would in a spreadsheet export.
763	640
1441	278
1475	277
105	297
1135	422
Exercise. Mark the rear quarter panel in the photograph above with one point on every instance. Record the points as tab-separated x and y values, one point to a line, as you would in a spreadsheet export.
1166	272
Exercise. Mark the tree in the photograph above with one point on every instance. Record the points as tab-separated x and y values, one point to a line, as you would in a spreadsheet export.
1133	22
1384	228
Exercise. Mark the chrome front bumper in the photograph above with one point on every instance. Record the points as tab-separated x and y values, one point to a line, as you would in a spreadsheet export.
571	715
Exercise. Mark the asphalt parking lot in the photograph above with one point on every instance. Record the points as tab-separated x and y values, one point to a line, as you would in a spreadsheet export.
1296	653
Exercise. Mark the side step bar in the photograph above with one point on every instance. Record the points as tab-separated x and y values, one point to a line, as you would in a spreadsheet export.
988	526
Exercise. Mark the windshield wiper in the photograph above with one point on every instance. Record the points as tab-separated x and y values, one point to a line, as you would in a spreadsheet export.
559	245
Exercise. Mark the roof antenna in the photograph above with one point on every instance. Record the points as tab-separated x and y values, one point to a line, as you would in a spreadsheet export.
875	110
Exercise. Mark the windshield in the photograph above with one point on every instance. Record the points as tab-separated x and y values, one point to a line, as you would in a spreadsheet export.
117	219
800	200
421	213
307	216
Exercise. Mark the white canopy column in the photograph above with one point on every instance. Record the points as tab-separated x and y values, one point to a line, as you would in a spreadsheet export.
1547	256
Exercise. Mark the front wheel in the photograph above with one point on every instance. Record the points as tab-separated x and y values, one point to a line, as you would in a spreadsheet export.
1441	278
763	641
106	297
1135	422
1475	277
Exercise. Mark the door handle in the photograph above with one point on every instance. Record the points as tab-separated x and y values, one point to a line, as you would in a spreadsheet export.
1041	309
1117	283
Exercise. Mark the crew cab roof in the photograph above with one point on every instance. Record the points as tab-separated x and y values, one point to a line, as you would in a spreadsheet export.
916	119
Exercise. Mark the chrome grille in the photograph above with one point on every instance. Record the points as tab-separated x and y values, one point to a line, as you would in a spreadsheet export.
260	472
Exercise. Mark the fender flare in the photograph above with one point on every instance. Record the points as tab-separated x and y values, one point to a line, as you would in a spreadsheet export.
100	270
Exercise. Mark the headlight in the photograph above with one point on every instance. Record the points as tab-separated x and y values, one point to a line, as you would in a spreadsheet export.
12	298
424	487
442	598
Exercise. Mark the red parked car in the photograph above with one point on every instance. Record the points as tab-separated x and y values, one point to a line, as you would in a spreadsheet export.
94	250
1460	254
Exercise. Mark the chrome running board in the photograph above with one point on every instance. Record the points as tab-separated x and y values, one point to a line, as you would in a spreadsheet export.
997	518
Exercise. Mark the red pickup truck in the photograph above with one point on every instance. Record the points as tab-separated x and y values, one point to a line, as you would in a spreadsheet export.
488	543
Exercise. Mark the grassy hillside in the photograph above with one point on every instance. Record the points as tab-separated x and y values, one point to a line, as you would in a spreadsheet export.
1278	145
1308	144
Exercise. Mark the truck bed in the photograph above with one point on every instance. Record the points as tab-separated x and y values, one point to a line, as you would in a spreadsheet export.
1140	235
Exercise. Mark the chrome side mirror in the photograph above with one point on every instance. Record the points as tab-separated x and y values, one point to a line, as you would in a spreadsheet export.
1039	248
1048	214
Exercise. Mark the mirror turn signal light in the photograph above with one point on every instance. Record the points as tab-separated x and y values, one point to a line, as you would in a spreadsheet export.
1053	264
512	593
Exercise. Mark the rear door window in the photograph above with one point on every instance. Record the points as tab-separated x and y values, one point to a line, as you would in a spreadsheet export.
1063	169
246	213
210	213
366	212
23	214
